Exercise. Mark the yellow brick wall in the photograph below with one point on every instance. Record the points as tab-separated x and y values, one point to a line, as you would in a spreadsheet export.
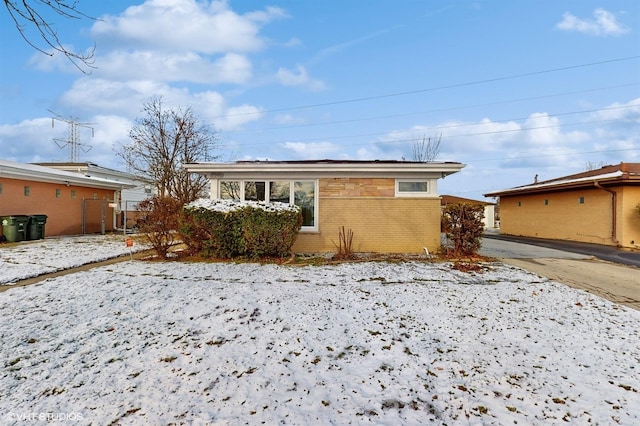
628	219
565	218
385	225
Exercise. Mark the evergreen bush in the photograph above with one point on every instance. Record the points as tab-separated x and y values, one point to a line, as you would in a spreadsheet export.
228	228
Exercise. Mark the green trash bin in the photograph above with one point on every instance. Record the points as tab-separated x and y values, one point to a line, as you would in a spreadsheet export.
14	228
36	226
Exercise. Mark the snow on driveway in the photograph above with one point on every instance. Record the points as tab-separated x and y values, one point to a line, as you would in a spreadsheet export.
363	343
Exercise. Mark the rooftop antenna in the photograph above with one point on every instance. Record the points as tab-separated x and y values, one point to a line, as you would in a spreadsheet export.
73	138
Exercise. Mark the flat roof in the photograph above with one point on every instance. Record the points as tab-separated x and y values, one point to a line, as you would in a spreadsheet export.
326	168
37	173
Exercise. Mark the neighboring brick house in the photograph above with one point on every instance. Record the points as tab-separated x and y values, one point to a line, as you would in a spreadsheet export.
391	206
73	203
489	219
126	211
597	206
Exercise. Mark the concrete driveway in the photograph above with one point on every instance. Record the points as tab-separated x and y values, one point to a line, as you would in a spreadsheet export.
613	281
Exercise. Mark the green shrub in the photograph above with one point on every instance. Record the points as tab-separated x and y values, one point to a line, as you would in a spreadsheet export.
211	233
227	228
269	232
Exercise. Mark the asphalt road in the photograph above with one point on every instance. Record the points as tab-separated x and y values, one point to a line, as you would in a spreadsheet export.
599	251
607	272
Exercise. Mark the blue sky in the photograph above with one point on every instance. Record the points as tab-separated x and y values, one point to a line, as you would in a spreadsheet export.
515	89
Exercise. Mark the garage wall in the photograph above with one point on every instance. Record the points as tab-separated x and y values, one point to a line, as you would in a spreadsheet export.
629	220
62	204
559	215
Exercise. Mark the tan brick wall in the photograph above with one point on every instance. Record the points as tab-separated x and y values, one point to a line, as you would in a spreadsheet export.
64	214
565	218
385	225
357	187
628	219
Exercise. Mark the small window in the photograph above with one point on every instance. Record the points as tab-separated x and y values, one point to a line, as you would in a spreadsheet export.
519	203
411	188
546	202
58	192
0	188
580	200
95	195
73	194
27	191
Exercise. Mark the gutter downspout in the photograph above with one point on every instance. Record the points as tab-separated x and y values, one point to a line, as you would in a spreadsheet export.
614	210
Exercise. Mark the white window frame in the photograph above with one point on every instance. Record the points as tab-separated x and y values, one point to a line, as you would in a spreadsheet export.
242	183
414	194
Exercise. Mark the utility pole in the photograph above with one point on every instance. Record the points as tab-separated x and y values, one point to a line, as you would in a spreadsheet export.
73	137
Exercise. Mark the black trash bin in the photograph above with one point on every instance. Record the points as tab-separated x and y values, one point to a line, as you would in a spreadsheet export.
36	226
14	228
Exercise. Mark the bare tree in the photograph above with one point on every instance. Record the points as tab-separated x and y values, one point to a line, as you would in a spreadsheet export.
426	149
162	142
31	16
590	165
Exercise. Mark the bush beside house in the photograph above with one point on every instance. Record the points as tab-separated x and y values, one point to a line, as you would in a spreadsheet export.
228	228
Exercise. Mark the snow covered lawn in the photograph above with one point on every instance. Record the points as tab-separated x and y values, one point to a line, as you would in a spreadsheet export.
33	258
362	343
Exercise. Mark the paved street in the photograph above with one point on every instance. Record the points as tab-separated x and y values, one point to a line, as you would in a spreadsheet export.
585	266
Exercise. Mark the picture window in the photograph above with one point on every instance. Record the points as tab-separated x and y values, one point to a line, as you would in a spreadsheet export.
301	193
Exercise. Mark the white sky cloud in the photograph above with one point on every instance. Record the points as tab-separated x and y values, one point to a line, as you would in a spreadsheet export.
299	77
178	25
315	150
175	67
604	23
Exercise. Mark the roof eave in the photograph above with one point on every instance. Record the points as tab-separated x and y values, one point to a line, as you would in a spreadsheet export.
325	169
584	184
80	180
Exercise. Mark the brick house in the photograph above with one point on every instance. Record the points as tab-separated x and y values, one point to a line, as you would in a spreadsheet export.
597	206
391	206
73	203
126	212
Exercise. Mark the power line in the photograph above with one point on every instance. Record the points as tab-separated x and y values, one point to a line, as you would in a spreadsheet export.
559	152
438	128
324	123
431	89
